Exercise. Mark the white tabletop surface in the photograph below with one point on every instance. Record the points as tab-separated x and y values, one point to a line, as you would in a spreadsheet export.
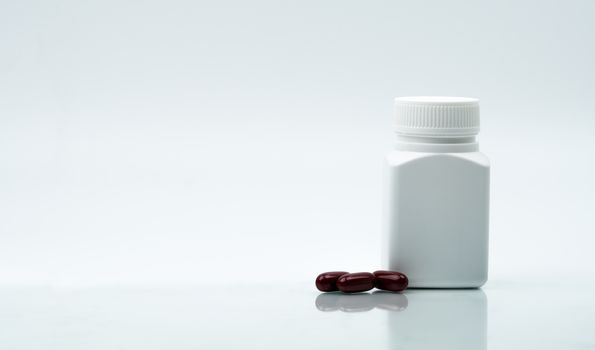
502	315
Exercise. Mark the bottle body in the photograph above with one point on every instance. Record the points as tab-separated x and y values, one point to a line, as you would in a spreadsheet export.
436	216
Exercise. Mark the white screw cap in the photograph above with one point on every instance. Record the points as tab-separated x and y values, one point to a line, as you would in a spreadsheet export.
437	116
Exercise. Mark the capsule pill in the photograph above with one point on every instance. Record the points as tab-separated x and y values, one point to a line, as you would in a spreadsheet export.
390	280
356	282
327	281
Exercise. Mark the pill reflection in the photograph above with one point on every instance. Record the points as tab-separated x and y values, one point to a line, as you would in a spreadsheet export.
390	301
361	302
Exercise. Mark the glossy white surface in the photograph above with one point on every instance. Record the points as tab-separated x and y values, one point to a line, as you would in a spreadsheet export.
503	315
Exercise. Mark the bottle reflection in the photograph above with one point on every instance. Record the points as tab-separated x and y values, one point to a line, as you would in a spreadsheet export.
422	318
441	319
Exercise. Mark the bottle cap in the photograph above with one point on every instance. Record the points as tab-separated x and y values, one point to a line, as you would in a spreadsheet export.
437	116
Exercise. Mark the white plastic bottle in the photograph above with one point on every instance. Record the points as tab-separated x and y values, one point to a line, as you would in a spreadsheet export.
437	194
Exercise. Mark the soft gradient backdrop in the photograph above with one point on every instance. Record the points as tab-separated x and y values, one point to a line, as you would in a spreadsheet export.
147	142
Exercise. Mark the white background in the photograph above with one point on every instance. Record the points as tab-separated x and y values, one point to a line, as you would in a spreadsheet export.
147	142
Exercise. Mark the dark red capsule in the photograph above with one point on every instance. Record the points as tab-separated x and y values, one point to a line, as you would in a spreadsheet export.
356	282
390	280
327	281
